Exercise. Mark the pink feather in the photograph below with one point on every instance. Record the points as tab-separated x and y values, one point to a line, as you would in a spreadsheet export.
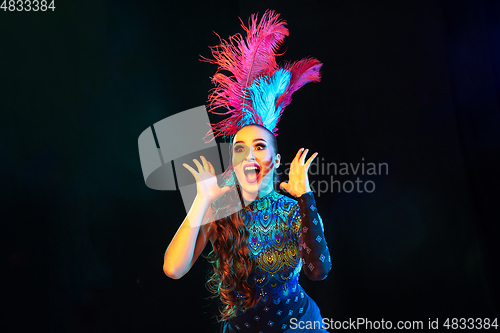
303	71
246	60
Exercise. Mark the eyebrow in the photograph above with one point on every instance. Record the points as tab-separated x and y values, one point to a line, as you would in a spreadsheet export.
252	141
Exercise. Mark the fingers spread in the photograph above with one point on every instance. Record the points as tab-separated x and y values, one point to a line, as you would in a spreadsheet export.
206	167
212	169
190	169
303	157
200	167
297	156
308	163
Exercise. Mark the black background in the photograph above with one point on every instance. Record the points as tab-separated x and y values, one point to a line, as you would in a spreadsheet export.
414	84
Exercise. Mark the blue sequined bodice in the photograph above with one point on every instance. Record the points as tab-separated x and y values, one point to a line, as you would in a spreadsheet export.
272	222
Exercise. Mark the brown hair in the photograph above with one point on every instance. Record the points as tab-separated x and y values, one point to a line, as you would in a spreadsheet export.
230	257
232	264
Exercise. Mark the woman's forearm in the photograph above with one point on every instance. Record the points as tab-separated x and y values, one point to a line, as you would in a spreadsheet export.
179	254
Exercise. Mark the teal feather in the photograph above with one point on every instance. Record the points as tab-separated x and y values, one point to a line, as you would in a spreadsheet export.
264	92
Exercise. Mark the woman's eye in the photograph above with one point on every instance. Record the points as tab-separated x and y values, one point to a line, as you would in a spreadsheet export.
261	146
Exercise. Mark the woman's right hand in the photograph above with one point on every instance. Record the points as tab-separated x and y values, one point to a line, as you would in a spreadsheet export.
206	182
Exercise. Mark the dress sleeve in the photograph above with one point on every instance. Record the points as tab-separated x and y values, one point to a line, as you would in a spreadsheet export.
312	243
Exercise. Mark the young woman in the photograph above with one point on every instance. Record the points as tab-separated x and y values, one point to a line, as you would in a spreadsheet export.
261	247
257	252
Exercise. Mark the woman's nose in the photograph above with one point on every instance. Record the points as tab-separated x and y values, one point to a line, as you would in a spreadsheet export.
250	155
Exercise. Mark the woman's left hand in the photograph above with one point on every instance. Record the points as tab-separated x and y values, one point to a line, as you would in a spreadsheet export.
298	182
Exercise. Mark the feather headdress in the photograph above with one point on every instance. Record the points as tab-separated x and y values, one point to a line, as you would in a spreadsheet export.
258	90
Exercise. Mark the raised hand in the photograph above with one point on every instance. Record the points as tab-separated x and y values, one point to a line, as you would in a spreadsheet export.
298	182
206	182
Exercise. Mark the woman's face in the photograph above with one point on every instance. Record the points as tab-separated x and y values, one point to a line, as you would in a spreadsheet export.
254	161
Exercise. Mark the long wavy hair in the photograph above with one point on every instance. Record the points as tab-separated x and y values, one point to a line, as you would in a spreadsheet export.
230	257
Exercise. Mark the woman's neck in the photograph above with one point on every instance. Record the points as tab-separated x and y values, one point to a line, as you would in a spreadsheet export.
249	197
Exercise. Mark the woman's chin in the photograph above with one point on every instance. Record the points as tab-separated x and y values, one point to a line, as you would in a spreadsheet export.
252	190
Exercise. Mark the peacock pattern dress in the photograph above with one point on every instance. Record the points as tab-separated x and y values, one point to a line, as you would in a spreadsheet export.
285	236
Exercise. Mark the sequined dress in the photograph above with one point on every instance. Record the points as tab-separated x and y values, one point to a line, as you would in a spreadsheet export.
285	236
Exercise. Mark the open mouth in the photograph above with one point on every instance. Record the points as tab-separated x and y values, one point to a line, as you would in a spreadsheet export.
252	172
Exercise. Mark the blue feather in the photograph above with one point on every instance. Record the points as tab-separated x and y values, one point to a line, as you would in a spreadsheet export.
264	93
